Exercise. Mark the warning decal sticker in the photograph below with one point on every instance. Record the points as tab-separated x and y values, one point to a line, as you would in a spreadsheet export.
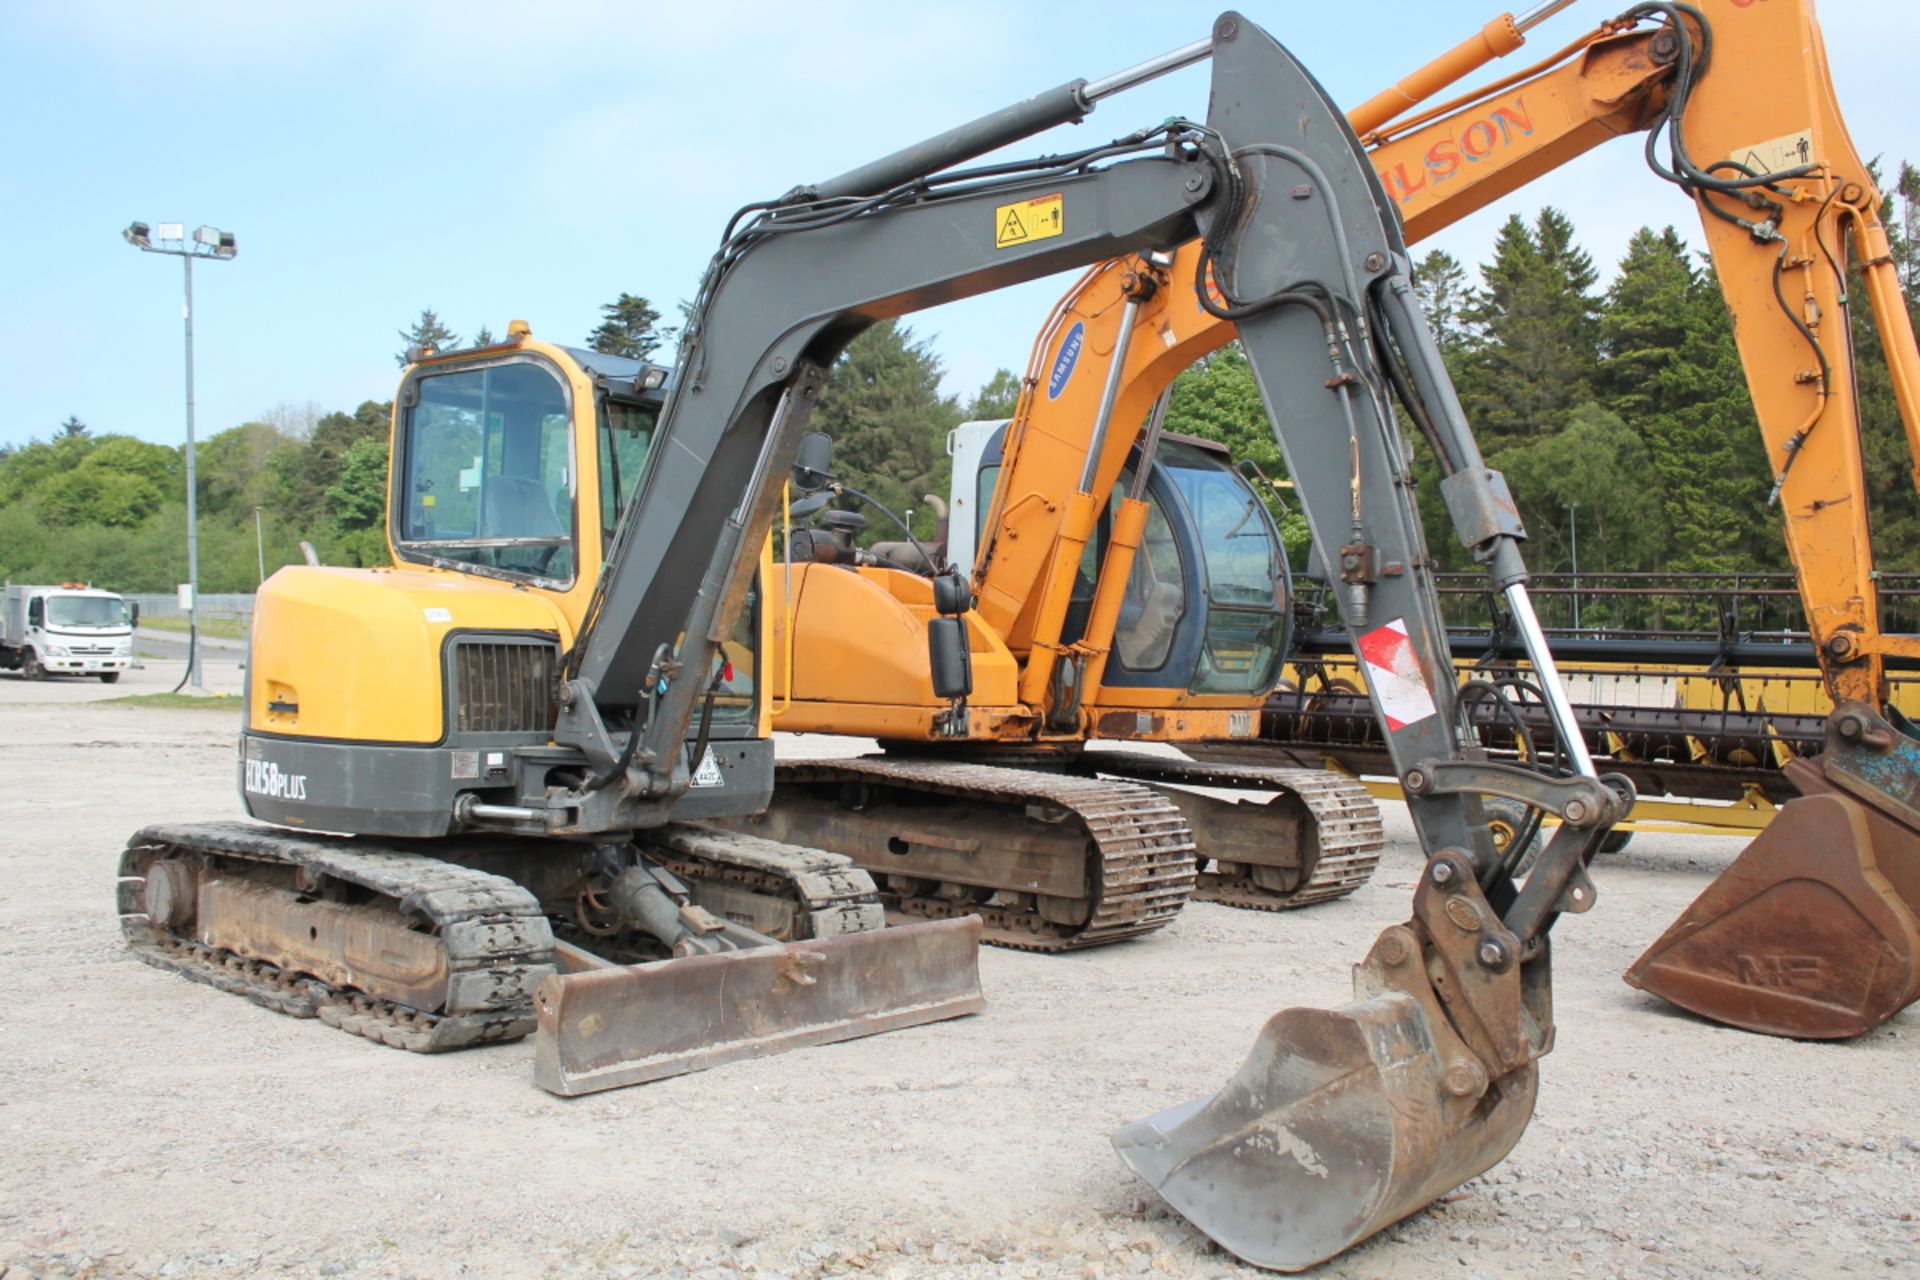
1028	220
1789	151
1393	674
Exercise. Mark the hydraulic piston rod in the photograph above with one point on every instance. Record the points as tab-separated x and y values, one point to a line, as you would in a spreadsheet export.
1066	104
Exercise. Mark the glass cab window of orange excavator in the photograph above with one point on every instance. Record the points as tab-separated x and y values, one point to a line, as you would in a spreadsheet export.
486	472
1205	604
1245	591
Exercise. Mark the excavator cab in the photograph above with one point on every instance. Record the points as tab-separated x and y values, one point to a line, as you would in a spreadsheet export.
1206	608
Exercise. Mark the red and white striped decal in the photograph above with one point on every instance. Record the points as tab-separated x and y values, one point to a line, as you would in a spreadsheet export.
1394	676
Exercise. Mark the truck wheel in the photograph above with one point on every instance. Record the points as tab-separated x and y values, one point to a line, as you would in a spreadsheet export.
30	666
109	677
1504	820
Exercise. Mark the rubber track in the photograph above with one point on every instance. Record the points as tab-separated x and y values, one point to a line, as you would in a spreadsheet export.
1144	846
499	944
837	895
1347	823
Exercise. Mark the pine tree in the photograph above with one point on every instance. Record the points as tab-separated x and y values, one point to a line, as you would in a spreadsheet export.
629	328
1533	350
74	427
426	332
1671	369
882	406
1440	283
1889	464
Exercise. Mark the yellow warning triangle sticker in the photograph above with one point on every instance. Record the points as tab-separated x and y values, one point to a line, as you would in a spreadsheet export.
1011	229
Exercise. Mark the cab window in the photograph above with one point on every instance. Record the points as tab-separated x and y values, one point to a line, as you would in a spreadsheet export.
487	473
1156	594
626	434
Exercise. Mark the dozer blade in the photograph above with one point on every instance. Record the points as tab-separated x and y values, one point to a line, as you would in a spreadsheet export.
1807	934
618	1025
1339	1123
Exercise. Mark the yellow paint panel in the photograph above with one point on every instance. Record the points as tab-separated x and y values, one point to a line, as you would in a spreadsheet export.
358	651
1024	221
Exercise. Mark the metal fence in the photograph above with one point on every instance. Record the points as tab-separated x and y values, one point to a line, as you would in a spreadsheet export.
234	604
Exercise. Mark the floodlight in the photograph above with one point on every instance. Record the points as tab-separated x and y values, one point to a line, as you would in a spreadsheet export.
136	234
172	231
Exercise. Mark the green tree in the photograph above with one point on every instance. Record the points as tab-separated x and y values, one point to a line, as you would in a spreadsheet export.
1595	475
1440	283
484	338
427	332
358	500
998	398
1670	368
74	427
1217	399
882	406
1532	350
629	329
119	483
1886	458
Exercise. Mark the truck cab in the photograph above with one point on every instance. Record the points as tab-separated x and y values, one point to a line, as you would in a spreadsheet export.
71	629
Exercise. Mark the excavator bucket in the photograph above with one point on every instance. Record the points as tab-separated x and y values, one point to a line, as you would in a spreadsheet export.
607	1026
1340	1122
1810	933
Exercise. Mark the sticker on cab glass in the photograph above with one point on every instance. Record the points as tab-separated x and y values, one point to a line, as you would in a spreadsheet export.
1063	363
1025	220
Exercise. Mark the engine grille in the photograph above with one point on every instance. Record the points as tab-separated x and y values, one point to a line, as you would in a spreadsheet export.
503	688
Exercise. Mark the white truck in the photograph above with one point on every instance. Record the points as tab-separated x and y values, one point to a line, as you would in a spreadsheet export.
66	630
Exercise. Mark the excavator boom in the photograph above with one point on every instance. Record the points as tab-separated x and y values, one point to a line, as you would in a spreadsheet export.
1737	107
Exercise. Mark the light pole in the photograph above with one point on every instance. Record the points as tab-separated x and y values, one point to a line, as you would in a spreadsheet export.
1573	542
260	545
207	242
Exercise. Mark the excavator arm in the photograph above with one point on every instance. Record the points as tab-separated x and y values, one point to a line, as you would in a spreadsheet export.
1429	1078
1736	106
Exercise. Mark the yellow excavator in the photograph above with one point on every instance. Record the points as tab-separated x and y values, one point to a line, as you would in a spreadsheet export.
1811	935
485	775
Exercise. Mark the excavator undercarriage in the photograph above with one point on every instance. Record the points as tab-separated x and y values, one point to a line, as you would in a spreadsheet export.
484	939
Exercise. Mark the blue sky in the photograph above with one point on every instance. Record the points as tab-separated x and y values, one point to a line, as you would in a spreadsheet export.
499	161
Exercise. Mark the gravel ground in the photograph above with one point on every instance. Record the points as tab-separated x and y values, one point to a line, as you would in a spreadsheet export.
155	1127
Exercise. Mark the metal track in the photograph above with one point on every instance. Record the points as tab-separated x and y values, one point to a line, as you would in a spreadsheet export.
1347	827
496	936
1140	849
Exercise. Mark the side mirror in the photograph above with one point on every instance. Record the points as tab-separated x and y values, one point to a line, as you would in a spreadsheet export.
949	658
133	613
37	613
813	463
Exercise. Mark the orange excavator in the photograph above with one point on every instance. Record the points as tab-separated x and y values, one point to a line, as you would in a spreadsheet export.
1813	931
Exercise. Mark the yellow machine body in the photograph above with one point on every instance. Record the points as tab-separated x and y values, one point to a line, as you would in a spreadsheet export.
357	654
